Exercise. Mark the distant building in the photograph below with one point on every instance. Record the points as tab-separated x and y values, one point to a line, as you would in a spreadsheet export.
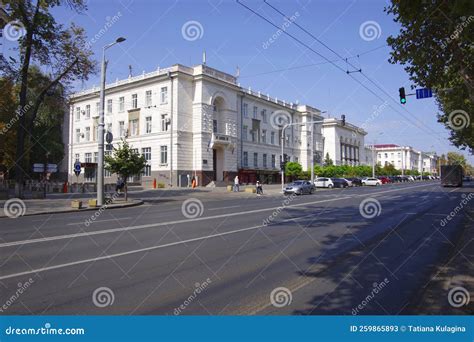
344	144
430	163
401	157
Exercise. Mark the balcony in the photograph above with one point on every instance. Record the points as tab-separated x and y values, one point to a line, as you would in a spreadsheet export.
221	139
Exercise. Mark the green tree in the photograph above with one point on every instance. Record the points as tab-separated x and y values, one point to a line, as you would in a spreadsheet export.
390	170
328	160
63	52
293	169
455	158
435	47
125	162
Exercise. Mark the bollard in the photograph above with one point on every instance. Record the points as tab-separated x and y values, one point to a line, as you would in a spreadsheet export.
154	183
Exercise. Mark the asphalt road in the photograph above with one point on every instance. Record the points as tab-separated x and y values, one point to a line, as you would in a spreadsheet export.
233	254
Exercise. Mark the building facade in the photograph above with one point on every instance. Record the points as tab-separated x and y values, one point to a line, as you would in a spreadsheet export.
406	158
344	144
193	122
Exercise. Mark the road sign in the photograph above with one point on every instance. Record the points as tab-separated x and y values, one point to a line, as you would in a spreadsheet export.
77	168
424	93
50	168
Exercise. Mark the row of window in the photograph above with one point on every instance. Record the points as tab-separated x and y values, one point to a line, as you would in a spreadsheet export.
146	152
263	113
245	161
121	103
133	129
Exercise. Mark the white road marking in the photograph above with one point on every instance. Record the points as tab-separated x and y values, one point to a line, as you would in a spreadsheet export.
96	221
232	206
152	225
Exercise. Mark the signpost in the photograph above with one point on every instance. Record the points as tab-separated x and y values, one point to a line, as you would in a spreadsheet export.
77	168
424	93
50	168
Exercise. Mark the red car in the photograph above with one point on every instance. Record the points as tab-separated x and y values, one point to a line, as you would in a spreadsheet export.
384	180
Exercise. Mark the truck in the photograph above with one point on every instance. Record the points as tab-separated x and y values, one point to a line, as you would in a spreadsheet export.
451	175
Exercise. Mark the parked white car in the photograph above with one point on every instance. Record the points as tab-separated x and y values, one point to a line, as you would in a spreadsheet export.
371	181
348	181
323	182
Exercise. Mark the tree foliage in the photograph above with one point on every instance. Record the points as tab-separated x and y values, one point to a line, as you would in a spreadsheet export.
47	44
293	169
125	162
435	47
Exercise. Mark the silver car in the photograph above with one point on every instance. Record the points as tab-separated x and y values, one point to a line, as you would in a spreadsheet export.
299	187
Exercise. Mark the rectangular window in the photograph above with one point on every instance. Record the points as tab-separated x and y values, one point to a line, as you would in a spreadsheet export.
264	136
88	157
164	95
133	124
96	156
97	108
273	161
148	101
244	133
255	111
88	111
163	155
272	138
146	151
121	129
264	115
134	101
78	135
245	162
214	126
88	133
109	127
255	159
148	124
264	160
245	110
254	135
78	113
77	157
121	104
109	106
164	122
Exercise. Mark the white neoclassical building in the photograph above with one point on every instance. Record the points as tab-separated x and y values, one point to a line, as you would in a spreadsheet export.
192	122
344	143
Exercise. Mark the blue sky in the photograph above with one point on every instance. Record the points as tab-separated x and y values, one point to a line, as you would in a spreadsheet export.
233	36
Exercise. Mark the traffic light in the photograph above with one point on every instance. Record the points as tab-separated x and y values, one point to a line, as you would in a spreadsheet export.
403	98
343	119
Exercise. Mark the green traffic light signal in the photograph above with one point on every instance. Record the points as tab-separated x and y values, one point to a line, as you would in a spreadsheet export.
403	98
403	101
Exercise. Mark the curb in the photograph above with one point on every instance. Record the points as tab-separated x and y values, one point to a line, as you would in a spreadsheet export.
116	206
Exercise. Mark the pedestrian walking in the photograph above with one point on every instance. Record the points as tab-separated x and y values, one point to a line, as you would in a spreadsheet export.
193	182
236	184
259	188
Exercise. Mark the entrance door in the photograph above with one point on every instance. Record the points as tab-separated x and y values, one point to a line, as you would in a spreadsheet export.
214	164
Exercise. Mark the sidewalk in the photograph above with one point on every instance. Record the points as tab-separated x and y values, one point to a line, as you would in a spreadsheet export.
27	207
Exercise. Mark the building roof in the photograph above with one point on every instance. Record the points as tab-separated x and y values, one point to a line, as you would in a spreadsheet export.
386	145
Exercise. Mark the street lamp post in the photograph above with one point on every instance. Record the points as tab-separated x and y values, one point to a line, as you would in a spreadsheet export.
100	157
283	145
